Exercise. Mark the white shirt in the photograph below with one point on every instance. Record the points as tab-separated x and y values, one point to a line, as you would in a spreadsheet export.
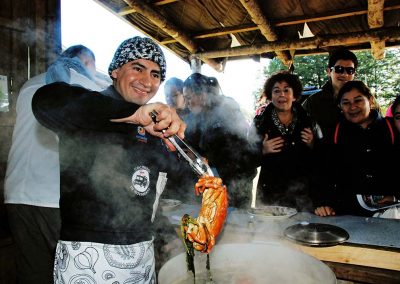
33	169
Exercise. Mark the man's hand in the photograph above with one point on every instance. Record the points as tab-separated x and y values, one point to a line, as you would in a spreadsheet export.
324	211
167	119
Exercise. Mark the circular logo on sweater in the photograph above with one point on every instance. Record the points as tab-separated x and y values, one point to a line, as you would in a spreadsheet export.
141	180
141	130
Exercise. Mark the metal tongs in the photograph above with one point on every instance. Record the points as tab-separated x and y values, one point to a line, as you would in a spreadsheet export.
194	159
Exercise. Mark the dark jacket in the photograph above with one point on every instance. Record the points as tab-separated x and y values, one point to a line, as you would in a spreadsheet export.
108	170
354	164
323	109
285	176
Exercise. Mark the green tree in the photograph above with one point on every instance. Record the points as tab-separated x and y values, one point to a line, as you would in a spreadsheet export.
381	76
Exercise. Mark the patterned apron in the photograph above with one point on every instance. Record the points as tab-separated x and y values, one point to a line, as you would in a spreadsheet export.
95	263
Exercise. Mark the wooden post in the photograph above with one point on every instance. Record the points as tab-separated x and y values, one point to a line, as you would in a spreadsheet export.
378	49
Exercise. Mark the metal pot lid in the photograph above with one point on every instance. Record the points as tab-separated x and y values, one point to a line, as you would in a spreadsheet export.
316	234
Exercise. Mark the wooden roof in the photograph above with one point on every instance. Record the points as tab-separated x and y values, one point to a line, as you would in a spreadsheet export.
218	30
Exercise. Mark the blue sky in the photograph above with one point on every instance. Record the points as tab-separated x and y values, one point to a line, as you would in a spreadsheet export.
95	27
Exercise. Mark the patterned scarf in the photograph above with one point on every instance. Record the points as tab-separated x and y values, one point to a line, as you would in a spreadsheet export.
281	127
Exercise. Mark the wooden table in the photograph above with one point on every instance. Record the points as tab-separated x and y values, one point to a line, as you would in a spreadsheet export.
371	254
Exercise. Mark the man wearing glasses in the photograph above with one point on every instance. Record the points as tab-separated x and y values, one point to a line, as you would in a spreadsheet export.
322	105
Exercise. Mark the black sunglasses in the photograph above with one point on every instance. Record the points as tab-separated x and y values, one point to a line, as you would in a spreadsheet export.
340	69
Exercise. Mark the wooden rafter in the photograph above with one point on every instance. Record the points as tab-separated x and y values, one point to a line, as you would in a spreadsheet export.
348	39
220	32
258	17
330	17
247	28
171	29
129	10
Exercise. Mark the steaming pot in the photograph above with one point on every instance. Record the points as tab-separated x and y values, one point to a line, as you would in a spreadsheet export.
250	263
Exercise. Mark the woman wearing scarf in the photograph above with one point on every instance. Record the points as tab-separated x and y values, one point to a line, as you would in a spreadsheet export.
285	136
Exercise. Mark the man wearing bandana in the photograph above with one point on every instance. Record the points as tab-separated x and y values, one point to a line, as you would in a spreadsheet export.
114	167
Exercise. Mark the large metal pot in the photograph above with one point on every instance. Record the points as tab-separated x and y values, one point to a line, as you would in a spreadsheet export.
250	263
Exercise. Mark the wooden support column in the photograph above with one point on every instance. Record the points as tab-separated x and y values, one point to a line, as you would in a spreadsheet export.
144	9
375	20
378	49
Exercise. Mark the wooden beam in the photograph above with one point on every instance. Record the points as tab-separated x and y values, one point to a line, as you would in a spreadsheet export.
258	17
348	39
363	274
328	17
171	29
375	13
128	10
220	32
356	256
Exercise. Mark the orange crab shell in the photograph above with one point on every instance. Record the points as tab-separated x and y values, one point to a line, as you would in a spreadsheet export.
212	214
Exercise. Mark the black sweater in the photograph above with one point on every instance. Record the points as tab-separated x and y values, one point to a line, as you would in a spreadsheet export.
356	163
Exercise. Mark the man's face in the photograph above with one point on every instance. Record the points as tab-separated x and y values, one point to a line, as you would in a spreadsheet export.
338	79
137	81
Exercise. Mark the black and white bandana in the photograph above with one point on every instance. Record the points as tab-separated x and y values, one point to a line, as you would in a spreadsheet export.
138	48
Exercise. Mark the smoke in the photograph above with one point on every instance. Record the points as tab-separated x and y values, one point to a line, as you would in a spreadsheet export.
240	227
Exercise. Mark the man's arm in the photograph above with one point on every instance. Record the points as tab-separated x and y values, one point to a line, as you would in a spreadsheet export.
62	107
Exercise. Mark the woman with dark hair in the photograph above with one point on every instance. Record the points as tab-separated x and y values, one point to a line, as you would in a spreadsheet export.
218	130
285	135
354	167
